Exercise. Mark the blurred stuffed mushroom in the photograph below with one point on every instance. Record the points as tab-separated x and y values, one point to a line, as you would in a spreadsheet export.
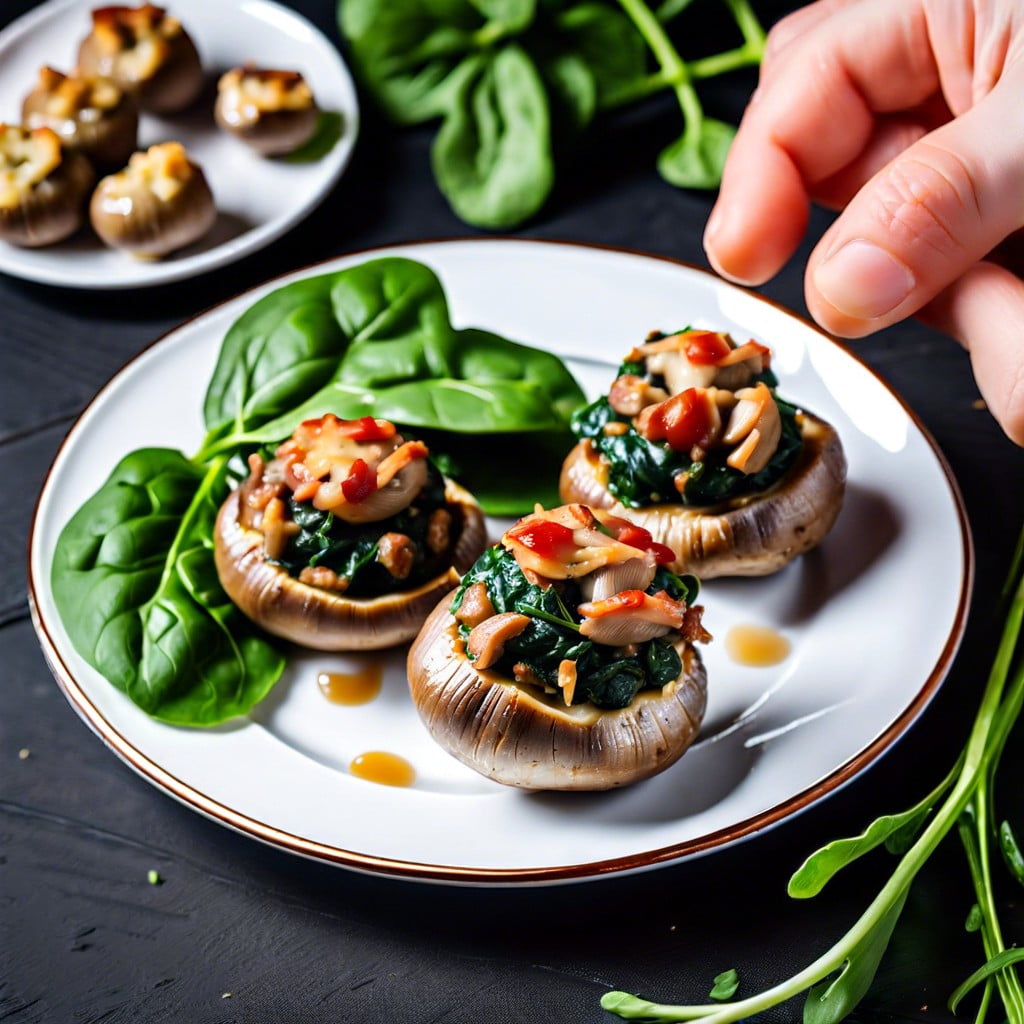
272	111
345	536
89	114
145	51
159	203
566	659
43	187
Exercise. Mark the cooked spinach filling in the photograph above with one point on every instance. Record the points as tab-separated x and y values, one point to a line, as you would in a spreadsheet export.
351	550
642	472
604	676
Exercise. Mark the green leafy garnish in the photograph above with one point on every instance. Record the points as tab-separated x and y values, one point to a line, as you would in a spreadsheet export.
506	80
725	985
840	977
133	574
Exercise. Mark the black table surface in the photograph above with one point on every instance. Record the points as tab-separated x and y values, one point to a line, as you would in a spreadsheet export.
239	931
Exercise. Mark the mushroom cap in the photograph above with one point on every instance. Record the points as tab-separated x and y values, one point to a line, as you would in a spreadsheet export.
322	620
519	736
54	208
146	225
171	87
108	140
752	535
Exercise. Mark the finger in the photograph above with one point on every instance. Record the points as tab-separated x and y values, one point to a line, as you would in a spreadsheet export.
893	133
794	25
921	222
811	119
983	310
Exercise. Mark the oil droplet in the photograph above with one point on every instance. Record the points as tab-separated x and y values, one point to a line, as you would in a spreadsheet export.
384	768
758	646
351	687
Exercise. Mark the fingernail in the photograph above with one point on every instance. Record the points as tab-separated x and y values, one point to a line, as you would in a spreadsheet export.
863	281
712	227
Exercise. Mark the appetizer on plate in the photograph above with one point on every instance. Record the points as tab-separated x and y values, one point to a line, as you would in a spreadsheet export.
89	114
159	203
345	537
43	186
272	111
146	51
566	659
693	443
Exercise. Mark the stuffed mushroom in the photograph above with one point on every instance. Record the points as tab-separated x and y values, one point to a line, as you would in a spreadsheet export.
693	443
566	658
272	111
345	536
43	187
159	203
91	115
146	51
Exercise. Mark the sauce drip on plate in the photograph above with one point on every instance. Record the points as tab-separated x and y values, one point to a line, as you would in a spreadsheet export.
351	688
384	768
758	646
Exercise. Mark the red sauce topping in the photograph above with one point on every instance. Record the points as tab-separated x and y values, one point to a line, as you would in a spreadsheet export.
684	421
549	540
360	483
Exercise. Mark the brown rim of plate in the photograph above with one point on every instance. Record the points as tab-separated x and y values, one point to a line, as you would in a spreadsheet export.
413	870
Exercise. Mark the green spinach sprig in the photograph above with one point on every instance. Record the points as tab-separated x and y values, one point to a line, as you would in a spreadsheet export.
507	77
965	800
603	676
133	573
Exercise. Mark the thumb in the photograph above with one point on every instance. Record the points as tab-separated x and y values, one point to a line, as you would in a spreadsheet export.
923	220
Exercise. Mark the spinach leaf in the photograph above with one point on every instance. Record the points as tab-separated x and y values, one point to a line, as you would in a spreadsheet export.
492	155
290	344
134	581
503	469
409	52
697	157
607	43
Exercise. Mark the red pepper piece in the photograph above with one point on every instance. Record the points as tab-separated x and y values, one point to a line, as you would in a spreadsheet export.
360	483
706	348
549	540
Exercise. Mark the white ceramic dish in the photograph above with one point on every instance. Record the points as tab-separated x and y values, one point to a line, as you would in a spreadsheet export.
257	199
866	656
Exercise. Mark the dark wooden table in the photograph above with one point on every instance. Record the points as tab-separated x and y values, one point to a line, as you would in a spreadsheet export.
242	932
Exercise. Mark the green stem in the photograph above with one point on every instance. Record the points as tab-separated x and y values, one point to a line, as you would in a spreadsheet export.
672	66
719	63
753	33
975	765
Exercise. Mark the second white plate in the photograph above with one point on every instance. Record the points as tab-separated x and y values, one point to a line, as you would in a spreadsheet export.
872	623
257	199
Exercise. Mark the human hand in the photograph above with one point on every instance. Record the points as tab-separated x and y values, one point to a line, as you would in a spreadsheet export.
909	115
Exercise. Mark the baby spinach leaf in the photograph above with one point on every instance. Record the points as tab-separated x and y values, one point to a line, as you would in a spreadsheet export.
607	43
409	52
725	985
696	158
134	581
291	343
492	155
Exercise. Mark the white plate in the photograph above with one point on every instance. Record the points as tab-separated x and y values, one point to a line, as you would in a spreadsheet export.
257	199
873	626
